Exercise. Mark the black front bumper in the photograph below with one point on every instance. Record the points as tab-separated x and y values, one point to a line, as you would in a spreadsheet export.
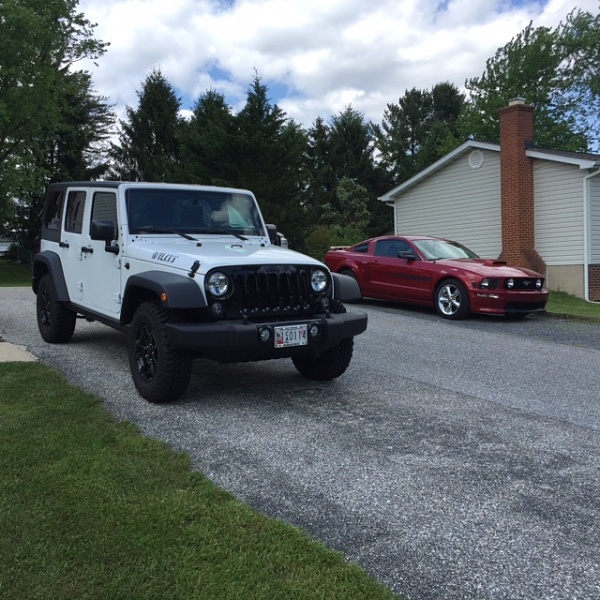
239	341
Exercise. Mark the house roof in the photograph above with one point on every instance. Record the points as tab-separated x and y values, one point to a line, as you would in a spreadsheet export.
580	159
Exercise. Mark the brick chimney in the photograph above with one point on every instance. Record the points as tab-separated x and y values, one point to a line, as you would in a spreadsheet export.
516	185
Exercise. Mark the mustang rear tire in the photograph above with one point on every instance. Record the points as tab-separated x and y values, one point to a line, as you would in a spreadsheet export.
160	372
327	365
55	321
452	300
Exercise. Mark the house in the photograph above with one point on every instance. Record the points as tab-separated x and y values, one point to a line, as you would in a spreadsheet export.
528	206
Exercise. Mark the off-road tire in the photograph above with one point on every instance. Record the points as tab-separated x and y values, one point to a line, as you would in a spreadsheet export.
55	321
160	372
327	365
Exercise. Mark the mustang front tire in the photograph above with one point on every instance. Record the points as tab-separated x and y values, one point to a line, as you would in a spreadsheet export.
452	300
160	372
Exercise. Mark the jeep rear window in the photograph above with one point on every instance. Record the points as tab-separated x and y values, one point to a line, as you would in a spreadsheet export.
191	211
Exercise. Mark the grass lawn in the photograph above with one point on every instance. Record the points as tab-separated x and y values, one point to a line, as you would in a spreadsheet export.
91	509
13	274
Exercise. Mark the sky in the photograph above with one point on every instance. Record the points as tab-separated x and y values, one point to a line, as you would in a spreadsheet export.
316	57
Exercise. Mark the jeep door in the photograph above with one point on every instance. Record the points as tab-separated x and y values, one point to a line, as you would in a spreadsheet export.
103	275
71	242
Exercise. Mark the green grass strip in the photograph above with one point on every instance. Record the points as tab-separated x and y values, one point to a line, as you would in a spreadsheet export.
92	509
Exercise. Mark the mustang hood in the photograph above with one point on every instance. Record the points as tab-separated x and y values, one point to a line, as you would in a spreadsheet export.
214	252
487	267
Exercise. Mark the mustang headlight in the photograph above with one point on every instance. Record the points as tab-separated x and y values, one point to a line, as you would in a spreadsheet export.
218	284
318	280
538	284
488	284
510	284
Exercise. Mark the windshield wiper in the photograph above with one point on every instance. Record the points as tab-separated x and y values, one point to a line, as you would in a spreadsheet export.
151	229
225	232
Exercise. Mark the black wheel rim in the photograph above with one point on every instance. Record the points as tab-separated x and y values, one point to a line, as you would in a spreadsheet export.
45	309
146	353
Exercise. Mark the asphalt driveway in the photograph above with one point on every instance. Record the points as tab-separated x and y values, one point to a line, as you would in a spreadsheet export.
452	460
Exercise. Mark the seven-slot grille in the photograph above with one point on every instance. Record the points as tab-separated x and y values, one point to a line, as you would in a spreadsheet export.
273	290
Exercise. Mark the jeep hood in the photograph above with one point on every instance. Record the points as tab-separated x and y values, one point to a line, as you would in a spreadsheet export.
213	252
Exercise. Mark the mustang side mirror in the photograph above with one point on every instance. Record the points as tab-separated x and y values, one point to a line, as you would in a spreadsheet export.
408	254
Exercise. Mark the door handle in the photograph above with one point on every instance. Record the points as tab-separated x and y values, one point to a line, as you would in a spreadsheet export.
63	245
87	250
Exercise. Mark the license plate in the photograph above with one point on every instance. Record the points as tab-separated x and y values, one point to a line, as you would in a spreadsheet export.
291	335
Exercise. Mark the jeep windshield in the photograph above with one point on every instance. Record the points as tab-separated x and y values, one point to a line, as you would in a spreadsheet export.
188	211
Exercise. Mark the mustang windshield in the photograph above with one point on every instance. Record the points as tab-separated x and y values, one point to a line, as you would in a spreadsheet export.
157	210
440	249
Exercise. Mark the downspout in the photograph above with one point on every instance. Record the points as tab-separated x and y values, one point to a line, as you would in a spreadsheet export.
586	236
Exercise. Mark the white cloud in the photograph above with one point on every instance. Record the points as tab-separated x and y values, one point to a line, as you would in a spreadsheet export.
315	56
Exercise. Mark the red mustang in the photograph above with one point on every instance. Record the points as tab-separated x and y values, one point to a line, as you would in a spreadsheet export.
436	272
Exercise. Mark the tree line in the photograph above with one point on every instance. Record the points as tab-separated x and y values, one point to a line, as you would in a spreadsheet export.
319	184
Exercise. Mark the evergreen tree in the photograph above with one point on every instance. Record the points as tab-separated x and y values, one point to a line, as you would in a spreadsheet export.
268	152
148	148
416	132
207	143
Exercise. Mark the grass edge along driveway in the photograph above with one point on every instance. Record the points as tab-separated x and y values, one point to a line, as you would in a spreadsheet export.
90	508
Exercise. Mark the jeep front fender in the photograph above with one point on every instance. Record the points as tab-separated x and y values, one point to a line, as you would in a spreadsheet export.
174	291
345	288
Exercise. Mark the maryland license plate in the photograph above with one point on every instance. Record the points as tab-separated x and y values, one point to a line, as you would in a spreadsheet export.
291	335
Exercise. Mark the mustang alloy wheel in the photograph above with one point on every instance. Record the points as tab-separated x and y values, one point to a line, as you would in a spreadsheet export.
452	300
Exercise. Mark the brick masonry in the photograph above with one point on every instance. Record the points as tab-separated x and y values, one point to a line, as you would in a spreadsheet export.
594	282
516	184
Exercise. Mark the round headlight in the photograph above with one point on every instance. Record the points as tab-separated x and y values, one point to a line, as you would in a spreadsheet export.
318	280
538	284
510	283
485	283
218	284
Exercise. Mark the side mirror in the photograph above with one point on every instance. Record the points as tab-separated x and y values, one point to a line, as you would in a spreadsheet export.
272	232
105	231
408	254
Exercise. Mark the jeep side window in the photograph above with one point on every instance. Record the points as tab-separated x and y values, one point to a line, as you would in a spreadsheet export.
53	216
75	207
104	208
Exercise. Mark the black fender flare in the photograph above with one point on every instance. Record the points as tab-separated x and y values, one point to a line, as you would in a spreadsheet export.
174	291
48	261
345	288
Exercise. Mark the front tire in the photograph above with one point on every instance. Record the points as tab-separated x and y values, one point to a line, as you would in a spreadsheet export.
160	372
452	300
327	365
55	321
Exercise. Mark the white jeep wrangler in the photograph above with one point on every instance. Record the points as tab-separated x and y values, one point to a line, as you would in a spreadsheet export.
187	271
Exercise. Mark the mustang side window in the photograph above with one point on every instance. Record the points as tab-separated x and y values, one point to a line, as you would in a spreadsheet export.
75	208
390	248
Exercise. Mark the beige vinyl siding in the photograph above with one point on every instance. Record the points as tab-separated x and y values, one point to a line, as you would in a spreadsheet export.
559	219
594	190
459	203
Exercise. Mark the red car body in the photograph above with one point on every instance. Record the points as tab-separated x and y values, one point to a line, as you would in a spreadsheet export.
440	273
